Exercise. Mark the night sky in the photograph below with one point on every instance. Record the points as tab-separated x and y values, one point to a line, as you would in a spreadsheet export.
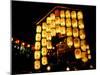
25	15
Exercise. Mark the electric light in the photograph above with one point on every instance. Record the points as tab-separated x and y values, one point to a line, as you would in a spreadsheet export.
80	15
74	23
37	65
77	53
37	55
38	29
23	43
28	45
69	31
67	68
67	14
17	41
73	14
89	56
44	61
48	68
75	32
68	22
88	51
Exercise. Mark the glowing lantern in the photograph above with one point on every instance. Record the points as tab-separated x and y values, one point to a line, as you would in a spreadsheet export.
77	53
57	20
58	29
82	34
76	43
69	32
67	14
23	43
68	22
48	20
44	25
37	65
62	22
57	13
37	54
84	55
52	25
53	32
44	42
38	29
62	30
44	33
87	47
52	16
69	41
73	14
83	45
44	51
48	28
37	45
74	23
44	60
85	59
75	32
48	36
38	37
49	45
81	24
80	15
62	14
48	68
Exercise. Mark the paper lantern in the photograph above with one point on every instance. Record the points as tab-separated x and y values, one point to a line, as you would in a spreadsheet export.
53	32
67	14
44	25
48	28
62	22
77	53
81	24
62	14
84	54
48	36
44	51
73	14
44	42
88	51
37	45
75	32
44	34
44	61
69	31
79	15
57	20
52	16
57	12
37	65
38	37
83	45
37	54
82	34
49	45
68	22
85	59
76	42
52	25
74	23
89	56
58	29
38	29
62	30
69	41
48	20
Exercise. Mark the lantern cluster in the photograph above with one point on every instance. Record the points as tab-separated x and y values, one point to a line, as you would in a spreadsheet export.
68	23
